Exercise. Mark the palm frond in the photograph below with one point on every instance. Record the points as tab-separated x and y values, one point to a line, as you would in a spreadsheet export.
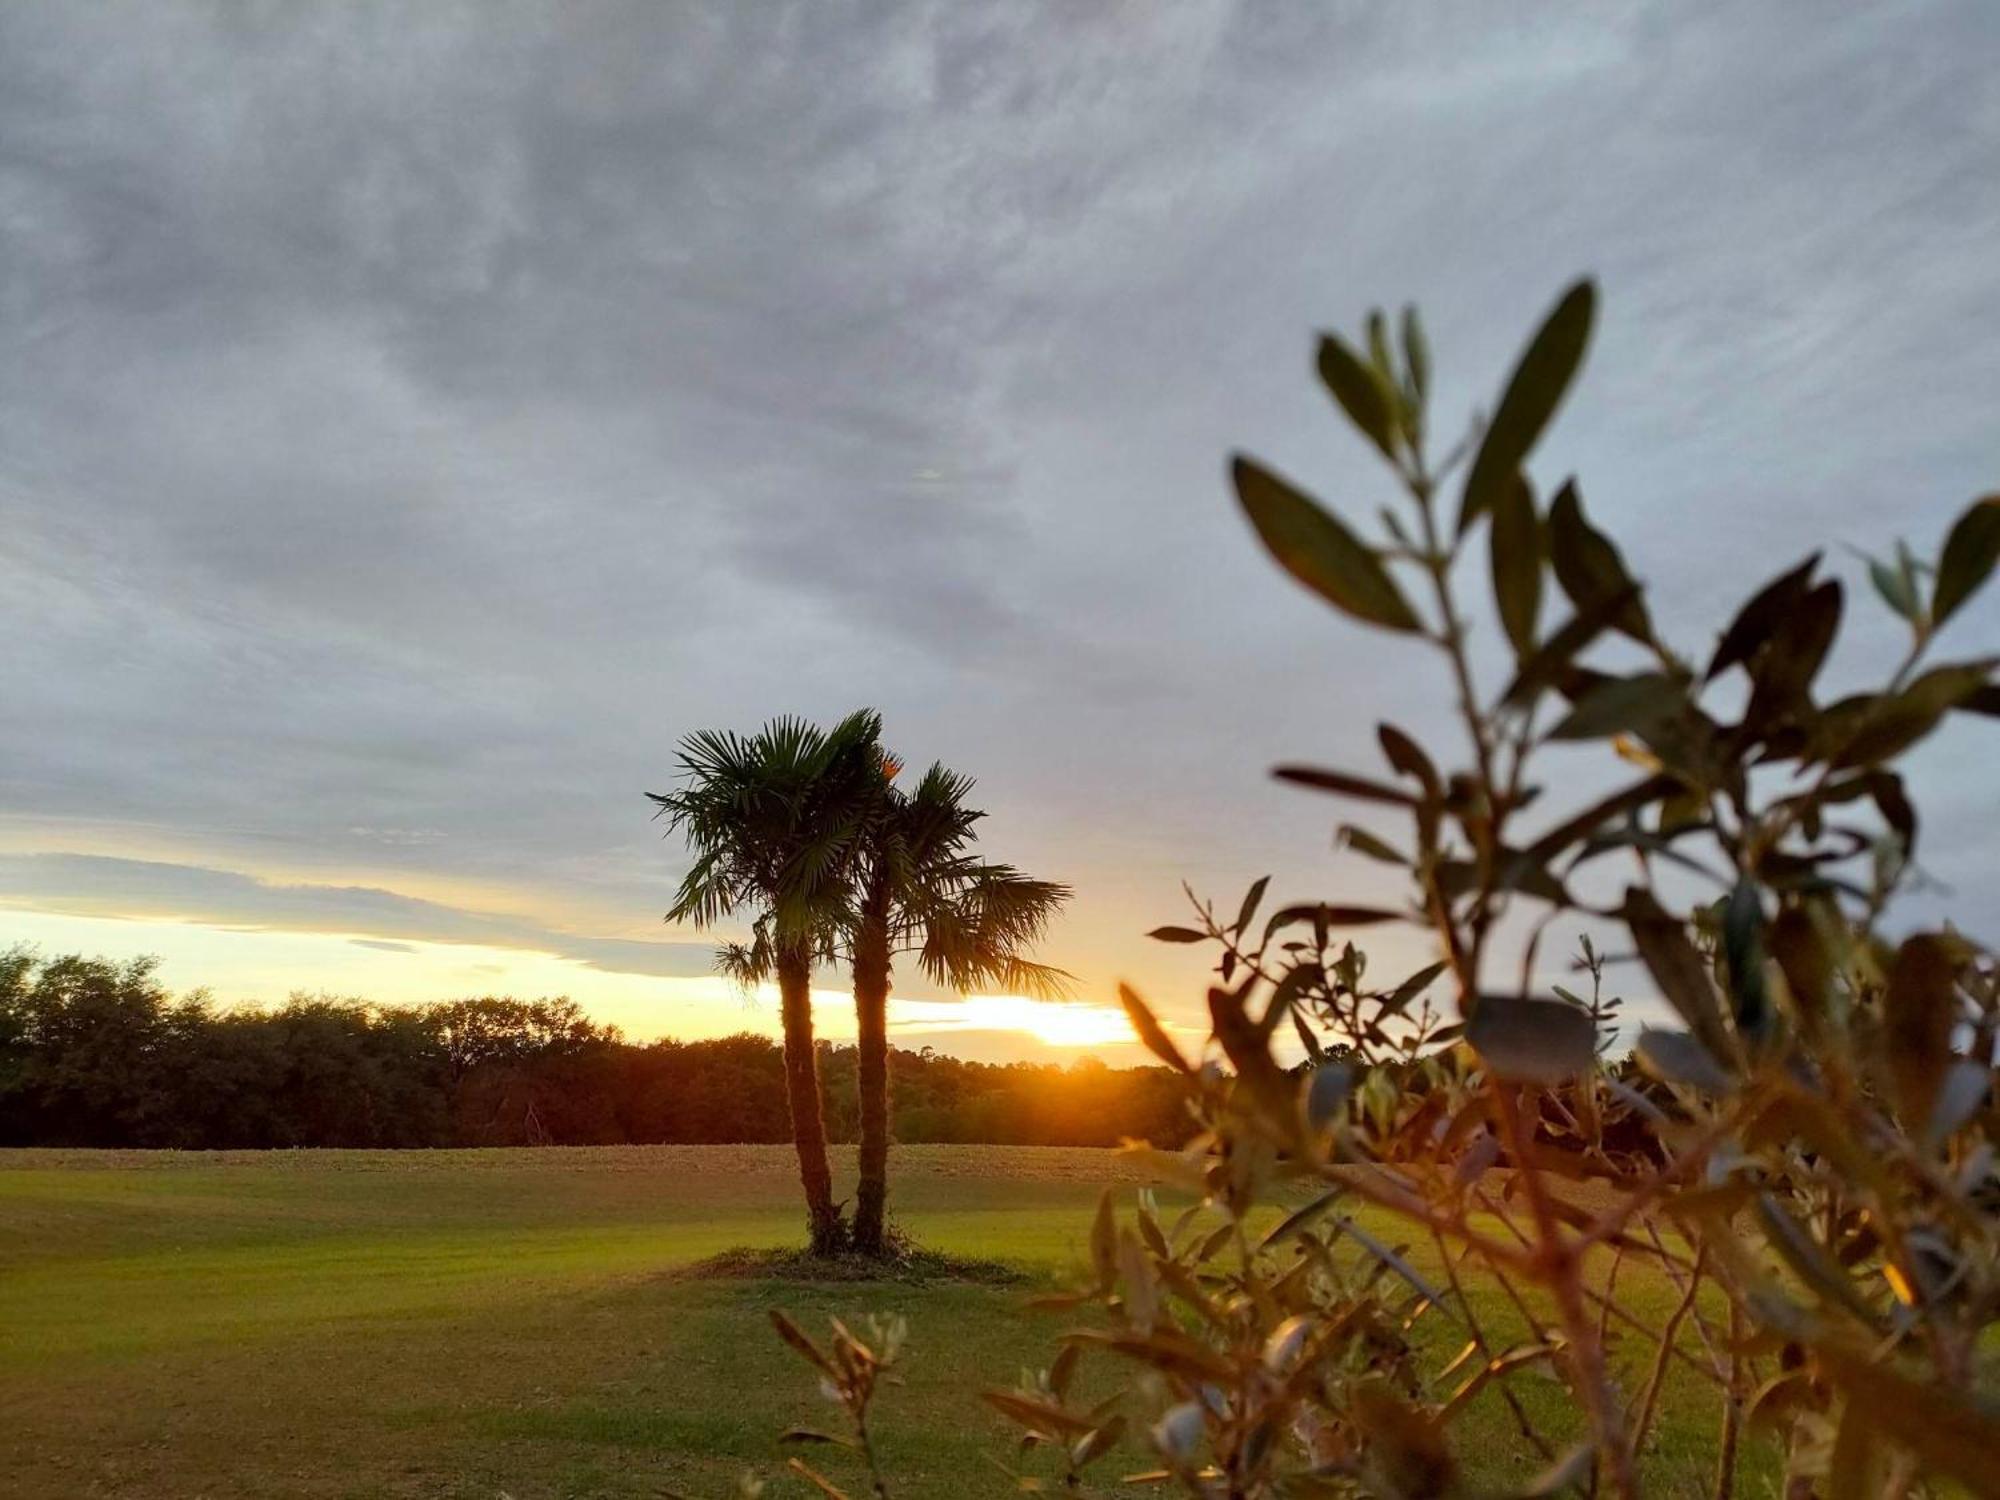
777	822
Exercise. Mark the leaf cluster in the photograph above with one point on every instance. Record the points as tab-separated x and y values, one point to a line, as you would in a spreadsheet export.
1807	1157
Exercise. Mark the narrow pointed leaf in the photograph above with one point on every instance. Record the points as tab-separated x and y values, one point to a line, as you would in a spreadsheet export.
1517	564
1361	392
1621	705
1919	1014
1743	951
1970	553
1553	657
1677	1057
1150	1032
1250	899
1534	391
1408	757
1317	549
1526	1039
1588	566
1342	784
1759	620
1677	968
1416	352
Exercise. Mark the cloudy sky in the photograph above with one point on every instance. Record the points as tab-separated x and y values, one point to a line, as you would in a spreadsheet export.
414	419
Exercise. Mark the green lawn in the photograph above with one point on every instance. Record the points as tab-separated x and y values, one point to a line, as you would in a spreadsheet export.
519	1322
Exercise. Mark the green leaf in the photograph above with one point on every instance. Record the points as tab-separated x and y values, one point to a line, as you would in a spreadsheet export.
1961	1094
1361	841
1410	988
1342	784
1416	353
1379	357
1783	671
1621	705
1570	1471
1306	1038
1796	942
1513	870
1814	1263
1149	1031
1036	1413
1969	555
1918	1016
1897	589
1588	566
797	1337
1299	1218
1064	1368
1951	1432
1588	824
1743	951
1677	1057
1095	1444
1326	1089
1525	1039
1759	620
1408	757
1551	660
1361	392
1534	391
1679	970
1336	916
1104	1242
1892	725
1250	899
1177	935
1517	564
1315	548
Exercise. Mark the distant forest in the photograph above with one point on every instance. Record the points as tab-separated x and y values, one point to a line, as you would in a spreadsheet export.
97	1053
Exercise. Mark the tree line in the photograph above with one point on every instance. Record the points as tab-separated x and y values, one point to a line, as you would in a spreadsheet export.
99	1053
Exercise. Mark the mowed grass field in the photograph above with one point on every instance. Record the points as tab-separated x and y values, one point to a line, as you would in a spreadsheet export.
525	1323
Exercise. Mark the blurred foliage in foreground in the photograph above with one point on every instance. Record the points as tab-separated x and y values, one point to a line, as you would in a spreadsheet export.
1813	1166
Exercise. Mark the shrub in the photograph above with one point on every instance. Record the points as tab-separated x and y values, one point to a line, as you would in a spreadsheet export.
1808	1159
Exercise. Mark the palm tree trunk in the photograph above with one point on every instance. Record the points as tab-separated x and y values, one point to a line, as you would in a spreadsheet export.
871	1024
803	1097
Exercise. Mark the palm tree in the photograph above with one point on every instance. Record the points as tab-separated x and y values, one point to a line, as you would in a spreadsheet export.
778	822
968	921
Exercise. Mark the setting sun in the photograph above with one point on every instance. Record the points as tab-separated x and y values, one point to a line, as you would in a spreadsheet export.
1055	1022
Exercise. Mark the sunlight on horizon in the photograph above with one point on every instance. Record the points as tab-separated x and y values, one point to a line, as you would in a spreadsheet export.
1059	1023
241	966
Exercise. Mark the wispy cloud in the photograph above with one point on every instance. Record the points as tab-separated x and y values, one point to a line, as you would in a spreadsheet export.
143	890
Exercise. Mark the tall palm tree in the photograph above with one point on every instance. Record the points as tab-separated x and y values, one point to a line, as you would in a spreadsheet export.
968	922
778	822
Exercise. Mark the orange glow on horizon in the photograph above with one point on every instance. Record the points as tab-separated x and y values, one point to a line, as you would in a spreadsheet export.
262	965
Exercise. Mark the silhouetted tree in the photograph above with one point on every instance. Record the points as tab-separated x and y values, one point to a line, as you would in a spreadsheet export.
967	921
777	822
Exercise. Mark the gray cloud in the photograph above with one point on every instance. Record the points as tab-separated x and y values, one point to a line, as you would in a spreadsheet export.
414	418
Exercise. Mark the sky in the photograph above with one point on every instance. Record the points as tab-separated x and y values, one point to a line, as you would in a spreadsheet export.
414	419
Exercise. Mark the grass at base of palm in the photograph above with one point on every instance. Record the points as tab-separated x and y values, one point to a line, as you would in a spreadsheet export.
457	1324
900	1261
